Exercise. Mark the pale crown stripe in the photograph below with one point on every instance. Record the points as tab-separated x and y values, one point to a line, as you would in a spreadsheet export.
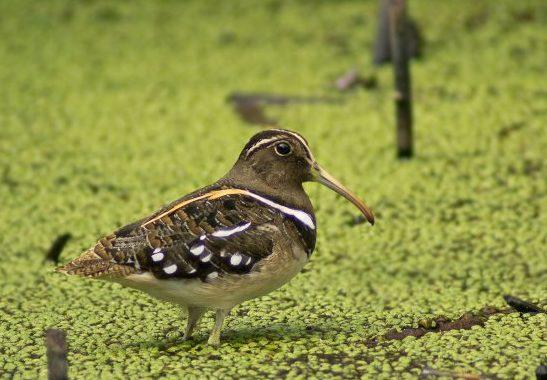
297	137
259	144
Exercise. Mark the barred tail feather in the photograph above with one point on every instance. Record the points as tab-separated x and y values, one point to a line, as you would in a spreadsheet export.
89	264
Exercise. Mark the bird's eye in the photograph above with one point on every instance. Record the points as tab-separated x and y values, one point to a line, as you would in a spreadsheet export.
283	149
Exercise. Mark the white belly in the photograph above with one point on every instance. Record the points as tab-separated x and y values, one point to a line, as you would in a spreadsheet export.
225	291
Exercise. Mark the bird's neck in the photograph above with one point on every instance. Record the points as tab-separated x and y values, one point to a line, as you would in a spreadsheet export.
274	186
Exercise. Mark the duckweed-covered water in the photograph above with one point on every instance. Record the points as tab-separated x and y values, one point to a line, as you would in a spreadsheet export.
110	109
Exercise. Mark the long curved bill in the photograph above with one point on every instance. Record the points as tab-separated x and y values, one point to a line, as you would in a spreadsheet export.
323	177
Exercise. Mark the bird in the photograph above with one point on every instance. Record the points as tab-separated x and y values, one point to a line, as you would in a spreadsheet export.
239	238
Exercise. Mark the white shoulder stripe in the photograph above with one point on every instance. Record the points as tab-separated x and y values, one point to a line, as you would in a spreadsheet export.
298	214
231	231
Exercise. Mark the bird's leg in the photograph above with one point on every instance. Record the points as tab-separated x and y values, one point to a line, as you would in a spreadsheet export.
214	338
194	315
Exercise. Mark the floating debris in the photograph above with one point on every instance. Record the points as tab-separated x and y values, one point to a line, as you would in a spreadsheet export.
250	106
522	306
440	324
430	372
277	99
56	347
541	372
352	79
253	113
510	128
57	247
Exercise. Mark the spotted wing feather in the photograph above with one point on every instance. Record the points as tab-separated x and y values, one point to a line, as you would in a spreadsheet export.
234	249
203	239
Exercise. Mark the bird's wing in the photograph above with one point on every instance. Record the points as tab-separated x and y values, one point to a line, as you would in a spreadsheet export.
219	232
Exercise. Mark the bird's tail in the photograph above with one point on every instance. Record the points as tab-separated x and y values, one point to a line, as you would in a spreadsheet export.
90	264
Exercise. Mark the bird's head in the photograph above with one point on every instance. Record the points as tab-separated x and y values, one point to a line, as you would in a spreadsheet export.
282	160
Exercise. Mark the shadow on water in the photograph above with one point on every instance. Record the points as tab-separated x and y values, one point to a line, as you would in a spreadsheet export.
236	336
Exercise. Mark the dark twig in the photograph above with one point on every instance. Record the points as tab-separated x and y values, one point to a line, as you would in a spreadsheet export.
430	372
508	129
541	372
250	106
280	100
56	354
403	101
253	113
521	305
8	180
440	324
57	247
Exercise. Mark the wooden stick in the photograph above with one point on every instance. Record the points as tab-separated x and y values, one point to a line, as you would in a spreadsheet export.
382	48
57	364
381	52
403	101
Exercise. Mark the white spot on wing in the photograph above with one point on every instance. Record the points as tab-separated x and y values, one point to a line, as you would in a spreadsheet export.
236	259
206	258
170	269
212	276
231	231
158	256
197	249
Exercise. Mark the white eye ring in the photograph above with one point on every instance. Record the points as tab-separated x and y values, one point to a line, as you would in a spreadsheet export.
283	148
